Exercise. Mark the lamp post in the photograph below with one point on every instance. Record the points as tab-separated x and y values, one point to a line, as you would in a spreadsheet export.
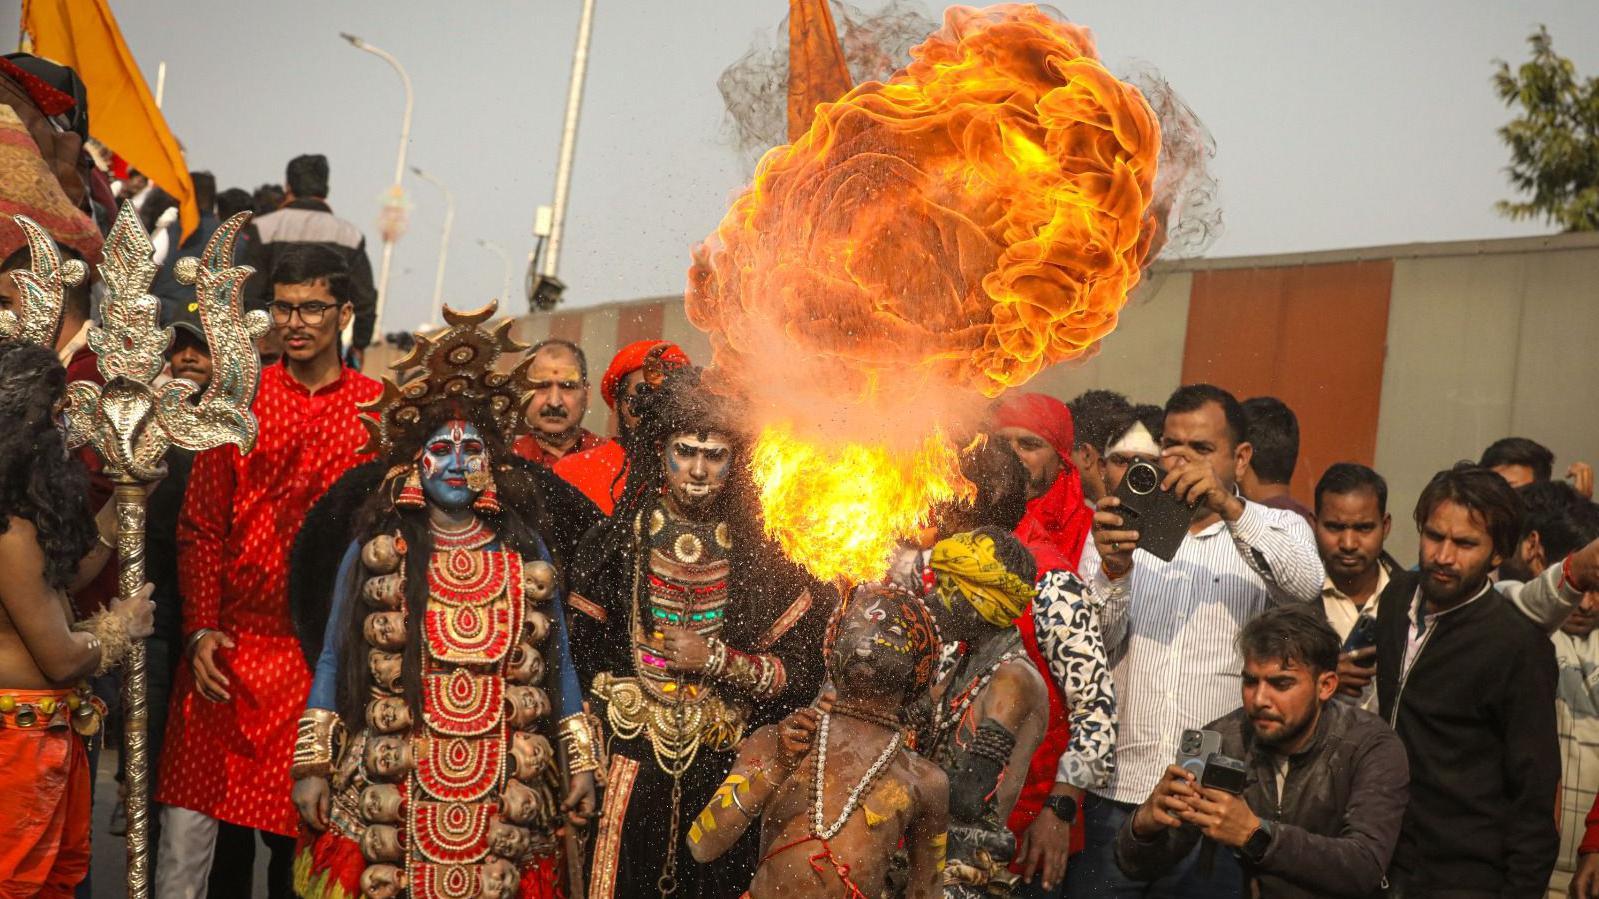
392	220
505	263
444	245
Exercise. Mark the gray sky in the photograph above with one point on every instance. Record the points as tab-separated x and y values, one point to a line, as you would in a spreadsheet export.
1337	124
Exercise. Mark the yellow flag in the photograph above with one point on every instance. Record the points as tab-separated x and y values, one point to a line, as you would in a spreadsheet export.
83	34
817	72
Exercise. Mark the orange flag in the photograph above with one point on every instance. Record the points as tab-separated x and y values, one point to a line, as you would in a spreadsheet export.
83	34
816	69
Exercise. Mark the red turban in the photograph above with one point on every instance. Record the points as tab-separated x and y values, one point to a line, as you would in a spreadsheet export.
631	359
1043	415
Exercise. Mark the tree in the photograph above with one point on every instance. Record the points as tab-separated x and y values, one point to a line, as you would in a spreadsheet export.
1554	141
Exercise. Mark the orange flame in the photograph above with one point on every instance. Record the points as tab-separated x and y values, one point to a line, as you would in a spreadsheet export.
928	243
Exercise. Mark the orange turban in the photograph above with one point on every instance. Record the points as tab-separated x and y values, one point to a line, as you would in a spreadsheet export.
631	359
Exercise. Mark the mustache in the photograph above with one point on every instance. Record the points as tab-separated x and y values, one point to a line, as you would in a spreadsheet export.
552	412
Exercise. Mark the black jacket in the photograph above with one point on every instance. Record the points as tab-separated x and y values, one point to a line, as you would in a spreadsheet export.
1334	825
1477	716
311	221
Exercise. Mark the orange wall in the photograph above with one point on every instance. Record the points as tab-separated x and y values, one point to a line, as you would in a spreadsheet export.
1314	336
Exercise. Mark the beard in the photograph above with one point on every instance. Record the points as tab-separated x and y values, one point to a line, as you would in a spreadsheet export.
1287	734
1461	586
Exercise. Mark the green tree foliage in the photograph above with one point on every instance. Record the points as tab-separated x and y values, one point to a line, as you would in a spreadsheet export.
1554	141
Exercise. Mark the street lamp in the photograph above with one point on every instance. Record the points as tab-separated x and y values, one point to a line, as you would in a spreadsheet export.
444	245
505	263
392	220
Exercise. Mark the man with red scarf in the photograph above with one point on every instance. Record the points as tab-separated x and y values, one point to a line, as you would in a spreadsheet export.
1058	519
600	472
1061	635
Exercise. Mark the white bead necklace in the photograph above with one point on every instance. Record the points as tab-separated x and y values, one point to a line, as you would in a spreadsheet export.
827	832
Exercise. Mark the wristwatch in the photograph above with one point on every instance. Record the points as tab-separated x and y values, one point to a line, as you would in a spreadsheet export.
1064	807
1254	848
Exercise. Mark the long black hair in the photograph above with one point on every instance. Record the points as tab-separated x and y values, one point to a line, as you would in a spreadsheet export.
517	525
39	480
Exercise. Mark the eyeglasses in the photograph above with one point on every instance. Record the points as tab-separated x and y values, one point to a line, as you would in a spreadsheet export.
310	313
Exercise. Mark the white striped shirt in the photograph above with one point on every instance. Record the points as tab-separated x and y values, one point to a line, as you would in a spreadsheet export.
1170	628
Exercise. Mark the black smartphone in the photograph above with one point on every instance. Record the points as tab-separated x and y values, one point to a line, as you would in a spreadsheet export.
1363	635
1224	773
1159	517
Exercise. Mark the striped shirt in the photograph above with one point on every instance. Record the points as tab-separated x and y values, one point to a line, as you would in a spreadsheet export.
1170	629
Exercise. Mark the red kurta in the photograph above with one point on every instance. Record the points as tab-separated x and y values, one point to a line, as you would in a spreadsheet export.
230	760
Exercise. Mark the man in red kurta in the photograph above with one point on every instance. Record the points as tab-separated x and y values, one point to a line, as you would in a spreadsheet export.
231	733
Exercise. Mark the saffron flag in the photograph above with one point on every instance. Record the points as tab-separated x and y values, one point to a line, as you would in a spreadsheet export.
816	69
123	115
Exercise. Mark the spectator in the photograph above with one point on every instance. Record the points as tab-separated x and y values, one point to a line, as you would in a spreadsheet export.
1095	414
1134	438
268	198
1352	524
1521	462
1171	627
1468	683
1058	520
560	375
230	738
601	472
1274	433
175	296
1326	794
233	201
306	218
1557	522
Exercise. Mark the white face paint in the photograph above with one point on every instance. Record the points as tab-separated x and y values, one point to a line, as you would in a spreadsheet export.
696	467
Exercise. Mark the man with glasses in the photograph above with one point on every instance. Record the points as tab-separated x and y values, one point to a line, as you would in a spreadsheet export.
225	768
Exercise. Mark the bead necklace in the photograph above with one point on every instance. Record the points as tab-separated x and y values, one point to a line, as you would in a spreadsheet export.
822	831
473	536
870	716
949	713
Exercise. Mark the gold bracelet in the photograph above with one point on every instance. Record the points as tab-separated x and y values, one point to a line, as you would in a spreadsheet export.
580	739
317	744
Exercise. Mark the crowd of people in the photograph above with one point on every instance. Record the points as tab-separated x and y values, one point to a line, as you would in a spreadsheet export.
434	637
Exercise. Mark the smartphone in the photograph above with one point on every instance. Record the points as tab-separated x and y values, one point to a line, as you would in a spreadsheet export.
1195	747
1160	518
1363	635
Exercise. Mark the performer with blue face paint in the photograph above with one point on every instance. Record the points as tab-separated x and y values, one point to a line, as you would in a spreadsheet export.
426	763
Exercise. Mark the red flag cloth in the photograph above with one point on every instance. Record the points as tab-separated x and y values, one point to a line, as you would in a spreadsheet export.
1057	523
599	473
817	72
630	359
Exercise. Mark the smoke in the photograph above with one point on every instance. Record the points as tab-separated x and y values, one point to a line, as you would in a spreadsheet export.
1186	204
755	87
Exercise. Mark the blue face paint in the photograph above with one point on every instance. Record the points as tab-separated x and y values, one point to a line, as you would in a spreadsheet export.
453	459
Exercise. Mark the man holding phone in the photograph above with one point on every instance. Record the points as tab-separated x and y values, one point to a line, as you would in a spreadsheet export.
1320	811
1352	523
1170	626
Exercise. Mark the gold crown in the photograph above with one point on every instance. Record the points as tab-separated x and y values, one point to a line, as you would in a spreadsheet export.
457	367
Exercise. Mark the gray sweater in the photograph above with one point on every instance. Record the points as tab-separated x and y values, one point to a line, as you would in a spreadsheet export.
1335	825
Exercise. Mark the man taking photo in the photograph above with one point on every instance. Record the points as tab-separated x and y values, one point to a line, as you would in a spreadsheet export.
1320	810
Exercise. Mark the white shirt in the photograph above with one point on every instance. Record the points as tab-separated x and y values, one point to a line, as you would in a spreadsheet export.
1342	613
1170	629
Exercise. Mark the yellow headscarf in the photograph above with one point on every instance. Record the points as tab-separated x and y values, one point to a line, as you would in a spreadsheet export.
966	566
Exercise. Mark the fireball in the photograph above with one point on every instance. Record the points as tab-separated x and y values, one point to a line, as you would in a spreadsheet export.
929	243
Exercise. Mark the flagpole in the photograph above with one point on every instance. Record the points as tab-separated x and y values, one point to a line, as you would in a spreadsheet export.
563	166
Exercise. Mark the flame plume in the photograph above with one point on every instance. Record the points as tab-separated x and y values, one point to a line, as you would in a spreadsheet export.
930	242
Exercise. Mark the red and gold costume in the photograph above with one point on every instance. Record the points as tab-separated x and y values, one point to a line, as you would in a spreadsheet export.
230	760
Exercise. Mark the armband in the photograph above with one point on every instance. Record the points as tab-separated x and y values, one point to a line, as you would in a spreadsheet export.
762	676
976	770
110	633
582	741
317	744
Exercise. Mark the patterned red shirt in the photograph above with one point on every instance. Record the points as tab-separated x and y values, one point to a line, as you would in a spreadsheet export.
230	760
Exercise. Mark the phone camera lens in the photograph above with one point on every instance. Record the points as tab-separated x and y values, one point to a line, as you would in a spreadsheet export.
1143	479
